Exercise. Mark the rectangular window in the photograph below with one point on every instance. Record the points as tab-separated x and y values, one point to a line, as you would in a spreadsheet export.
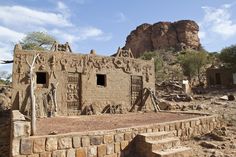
101	80
41	78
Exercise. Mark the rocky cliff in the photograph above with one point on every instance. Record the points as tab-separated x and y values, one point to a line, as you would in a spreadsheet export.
163	35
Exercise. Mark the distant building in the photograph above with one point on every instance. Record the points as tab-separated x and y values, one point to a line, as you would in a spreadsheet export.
70	84
221	76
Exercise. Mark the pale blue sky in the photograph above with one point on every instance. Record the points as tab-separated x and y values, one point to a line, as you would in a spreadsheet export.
104	24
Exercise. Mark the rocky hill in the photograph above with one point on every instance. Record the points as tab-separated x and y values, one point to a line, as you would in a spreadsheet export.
163	35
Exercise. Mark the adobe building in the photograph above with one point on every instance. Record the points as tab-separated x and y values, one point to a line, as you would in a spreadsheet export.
220	76
66	83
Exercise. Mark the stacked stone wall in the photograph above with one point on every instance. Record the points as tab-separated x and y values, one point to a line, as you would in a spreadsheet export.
108	143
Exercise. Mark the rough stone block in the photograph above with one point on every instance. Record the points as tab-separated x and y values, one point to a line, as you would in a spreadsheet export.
21	129
134	134
124	144
102	150
187	124
26	146
162	128
128	136
85	141
96	140
39	145
17	116
117	147
108	139
70	153
172	127
149	129
81	152
167	127
198	122
110	149
177	125
92	151
46	154
76	142
51	143
33	155
119	137
182	125
64	143
192	123
15	147
111	155
59	153
179	132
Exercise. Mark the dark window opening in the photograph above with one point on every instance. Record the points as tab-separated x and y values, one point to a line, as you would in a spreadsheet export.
101	80
41	78
218	78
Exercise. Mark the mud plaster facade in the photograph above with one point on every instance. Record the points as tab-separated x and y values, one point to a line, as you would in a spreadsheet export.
66	83
221	76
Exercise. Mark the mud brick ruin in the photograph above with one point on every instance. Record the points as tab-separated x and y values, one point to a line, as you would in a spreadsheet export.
66	83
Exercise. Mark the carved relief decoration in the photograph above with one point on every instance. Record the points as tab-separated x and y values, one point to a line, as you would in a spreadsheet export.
124	53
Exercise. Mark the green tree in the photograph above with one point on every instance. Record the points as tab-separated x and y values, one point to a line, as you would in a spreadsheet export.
158	60
192	63
166	67
37	41
228	56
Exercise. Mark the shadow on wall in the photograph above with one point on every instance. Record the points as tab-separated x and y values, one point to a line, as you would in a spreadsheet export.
4	133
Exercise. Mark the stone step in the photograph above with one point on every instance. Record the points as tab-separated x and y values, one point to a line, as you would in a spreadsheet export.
173	152
155	136
166	143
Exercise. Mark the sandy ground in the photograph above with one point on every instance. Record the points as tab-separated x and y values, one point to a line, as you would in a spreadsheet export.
104	122
226	147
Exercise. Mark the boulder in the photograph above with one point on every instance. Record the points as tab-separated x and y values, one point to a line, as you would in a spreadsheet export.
231	97
164	105
208	145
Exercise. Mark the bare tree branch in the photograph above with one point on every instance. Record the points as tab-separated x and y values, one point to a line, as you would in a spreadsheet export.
32	95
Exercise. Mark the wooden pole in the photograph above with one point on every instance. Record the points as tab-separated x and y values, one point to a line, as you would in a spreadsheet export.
32	95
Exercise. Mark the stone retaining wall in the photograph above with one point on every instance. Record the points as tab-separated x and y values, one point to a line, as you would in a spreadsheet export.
4	133
110	143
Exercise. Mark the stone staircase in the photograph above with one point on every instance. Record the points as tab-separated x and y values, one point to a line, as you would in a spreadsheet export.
160	144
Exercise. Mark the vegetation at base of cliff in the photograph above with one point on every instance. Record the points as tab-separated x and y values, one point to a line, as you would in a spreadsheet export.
192	63
228	56
165	64
171	65
37	41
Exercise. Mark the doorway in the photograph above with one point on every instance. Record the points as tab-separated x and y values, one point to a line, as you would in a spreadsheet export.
218	79
136	90
73	94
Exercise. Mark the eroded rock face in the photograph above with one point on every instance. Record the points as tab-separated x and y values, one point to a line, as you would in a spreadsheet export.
164	35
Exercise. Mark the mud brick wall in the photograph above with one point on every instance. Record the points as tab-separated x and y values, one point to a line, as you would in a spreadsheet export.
112	143
4	133
73	78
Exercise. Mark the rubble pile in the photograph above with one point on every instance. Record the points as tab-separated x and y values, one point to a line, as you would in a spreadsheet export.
5	98
172	91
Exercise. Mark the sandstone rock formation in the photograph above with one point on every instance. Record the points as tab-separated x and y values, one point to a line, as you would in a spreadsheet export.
163	35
